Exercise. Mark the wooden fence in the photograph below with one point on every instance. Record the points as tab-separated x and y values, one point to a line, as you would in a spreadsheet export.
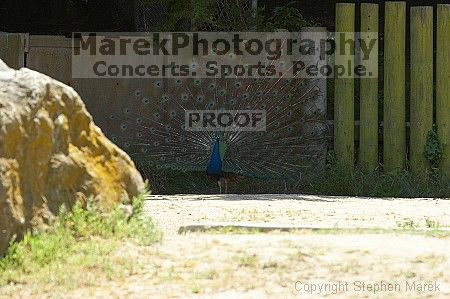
396	154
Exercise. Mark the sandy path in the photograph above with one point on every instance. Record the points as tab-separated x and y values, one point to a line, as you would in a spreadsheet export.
173	211
270	265
279	265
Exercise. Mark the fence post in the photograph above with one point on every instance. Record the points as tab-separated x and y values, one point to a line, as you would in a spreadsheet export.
421	85
344	116
394	87
443	84
368	156
12	49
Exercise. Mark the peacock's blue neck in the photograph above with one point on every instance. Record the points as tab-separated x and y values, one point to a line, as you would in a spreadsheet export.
215	162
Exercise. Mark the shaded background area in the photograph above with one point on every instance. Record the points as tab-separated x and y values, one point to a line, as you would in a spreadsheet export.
62	17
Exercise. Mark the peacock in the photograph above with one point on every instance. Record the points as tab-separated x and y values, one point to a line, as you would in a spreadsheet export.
152	129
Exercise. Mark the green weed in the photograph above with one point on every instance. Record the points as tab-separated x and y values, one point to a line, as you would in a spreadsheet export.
79	239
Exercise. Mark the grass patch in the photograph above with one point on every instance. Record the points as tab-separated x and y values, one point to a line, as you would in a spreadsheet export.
80	248
430	223
407	223
247	260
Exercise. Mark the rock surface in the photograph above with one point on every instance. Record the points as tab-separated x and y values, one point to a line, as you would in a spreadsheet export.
51	153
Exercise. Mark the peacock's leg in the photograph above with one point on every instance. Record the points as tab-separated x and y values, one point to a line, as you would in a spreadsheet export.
223	182
220	186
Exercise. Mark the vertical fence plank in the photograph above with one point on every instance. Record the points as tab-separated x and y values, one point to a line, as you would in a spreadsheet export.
368	156
344	118
11	49
421	85
394	87
443	84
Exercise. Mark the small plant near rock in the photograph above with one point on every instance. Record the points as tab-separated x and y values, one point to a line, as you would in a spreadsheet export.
248	260
196	289
84	237
430	223
407	223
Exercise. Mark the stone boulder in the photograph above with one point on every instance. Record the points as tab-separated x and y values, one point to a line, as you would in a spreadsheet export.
51	153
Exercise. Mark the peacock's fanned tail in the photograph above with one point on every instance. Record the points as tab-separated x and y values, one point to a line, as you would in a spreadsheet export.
152	128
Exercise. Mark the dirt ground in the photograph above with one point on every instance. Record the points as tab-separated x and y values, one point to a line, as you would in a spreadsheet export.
336	264
283	265
342	212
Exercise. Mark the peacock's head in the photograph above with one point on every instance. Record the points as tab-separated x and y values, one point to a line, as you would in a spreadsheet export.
219	137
